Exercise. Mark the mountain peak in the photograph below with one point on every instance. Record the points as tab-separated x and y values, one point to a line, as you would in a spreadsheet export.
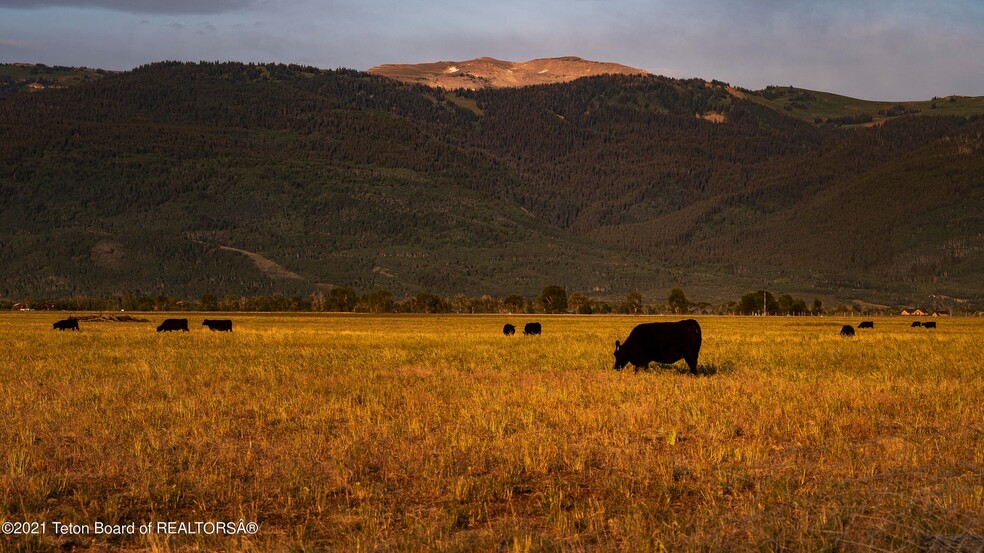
486	72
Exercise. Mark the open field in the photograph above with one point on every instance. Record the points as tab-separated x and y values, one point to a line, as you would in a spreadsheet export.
358	432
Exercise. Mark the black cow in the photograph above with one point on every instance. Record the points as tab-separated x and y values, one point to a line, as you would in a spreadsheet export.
916	324
509	330
532	329
929	324
70	323
867	324
847	331
173	324
660	342
222	325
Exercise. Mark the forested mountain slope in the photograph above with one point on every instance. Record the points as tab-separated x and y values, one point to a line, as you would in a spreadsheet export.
159	179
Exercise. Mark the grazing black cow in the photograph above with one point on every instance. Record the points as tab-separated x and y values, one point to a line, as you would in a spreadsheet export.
509	330
70	323
660	342
916	324
867	324
929	324
173	324
532	329
847	331
222	325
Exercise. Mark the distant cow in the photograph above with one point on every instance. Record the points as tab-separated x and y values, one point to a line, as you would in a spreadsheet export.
70	323
509	330
867	324
929	324
847	331
660	342
532	329
173	324
916	324
222	325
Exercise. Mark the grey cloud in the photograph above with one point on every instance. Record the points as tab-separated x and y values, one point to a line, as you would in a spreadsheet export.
172	7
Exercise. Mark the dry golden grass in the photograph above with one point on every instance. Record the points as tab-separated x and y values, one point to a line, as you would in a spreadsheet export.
358	432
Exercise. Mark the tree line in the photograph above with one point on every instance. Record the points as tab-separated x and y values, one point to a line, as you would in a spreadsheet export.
553	299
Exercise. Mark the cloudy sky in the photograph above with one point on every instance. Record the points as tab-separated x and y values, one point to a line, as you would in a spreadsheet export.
874	49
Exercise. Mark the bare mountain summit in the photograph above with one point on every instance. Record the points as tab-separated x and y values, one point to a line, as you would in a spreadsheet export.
493	73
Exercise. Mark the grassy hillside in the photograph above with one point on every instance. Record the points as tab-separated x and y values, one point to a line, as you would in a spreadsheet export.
231	178
142	190
29	77
825	107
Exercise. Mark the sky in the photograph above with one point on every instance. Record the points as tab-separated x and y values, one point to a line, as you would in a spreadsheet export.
872	49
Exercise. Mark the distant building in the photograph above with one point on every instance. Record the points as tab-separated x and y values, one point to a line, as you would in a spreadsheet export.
915	312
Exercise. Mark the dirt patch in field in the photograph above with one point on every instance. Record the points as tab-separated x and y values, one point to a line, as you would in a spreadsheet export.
111	319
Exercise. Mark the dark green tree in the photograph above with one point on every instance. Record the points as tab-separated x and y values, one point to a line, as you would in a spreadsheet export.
751	303
342	299
426	302
553	299
579	302
514	303
377	301
677	300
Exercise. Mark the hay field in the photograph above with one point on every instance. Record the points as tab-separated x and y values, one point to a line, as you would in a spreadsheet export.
360	432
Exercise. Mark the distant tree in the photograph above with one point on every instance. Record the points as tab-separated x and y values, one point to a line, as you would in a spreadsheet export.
514	303
464	304
297	303
231	303
633	301
578	302
318	302
341	299
677	300
817	307
487	304
552	299
751	303
426	302
600	307
209	302
377	301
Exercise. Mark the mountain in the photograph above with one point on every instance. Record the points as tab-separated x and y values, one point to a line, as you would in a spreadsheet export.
182	179
493	73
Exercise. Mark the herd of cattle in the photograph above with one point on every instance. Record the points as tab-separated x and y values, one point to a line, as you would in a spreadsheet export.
221	325
848	330
531	329
647	343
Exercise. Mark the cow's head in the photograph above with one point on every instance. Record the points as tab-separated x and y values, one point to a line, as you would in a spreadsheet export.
621	357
